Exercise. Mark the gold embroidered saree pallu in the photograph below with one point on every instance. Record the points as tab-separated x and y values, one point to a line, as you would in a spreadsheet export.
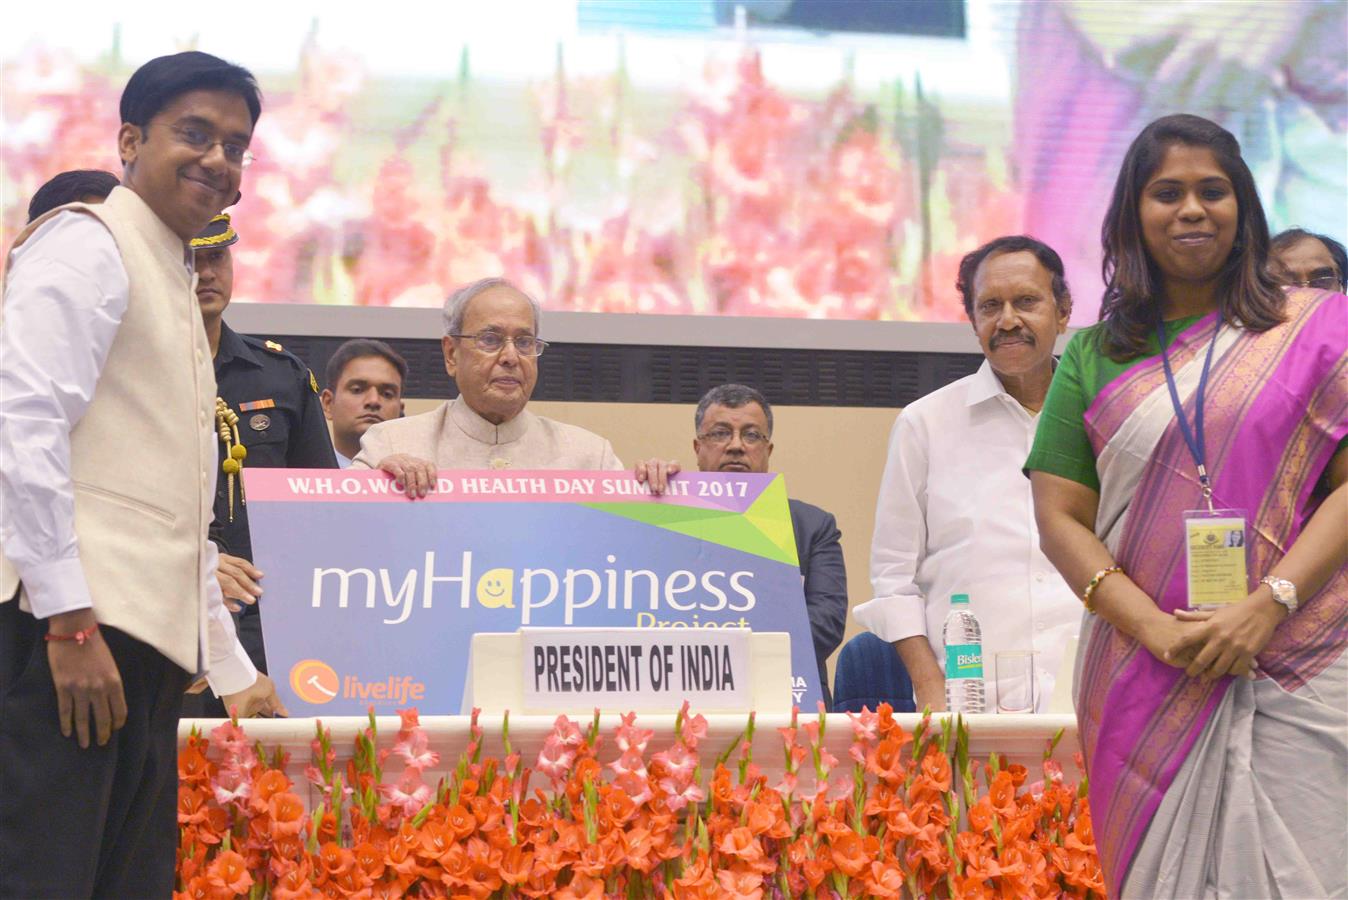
1233	787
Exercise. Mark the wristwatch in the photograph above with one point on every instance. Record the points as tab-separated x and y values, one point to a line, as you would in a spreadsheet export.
1283	591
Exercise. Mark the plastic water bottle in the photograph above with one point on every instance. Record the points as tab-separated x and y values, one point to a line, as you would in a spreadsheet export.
963	658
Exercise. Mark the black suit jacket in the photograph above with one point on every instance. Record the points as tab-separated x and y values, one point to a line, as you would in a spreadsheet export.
818	544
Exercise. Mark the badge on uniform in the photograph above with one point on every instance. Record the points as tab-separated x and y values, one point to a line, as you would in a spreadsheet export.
257	404
259	422
1217	554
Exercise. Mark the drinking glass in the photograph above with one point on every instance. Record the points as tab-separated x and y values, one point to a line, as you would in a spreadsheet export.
1016	687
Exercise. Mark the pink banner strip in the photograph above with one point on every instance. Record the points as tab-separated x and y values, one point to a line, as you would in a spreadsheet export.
733	492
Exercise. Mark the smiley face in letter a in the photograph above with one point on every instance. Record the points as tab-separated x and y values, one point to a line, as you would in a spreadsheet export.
496	589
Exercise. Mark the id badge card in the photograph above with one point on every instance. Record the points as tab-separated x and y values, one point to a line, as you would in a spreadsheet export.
1215	541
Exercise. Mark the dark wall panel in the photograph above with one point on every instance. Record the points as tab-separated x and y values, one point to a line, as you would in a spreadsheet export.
653	374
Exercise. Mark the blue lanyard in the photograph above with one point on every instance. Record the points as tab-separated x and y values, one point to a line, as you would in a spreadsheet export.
1193	437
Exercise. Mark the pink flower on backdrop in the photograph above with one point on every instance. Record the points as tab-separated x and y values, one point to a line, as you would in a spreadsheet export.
628	736
409	794
555	759
682	792
630	762
636	787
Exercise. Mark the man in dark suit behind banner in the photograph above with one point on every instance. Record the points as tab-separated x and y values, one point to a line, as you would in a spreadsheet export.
734	434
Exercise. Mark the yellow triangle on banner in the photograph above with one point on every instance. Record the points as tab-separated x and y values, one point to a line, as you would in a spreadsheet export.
771	515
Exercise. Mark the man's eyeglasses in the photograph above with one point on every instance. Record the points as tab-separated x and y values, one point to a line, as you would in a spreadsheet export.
749	437
200	141
1323	282
494	342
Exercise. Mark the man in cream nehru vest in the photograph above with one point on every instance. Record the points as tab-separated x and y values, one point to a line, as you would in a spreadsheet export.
491	348
108	597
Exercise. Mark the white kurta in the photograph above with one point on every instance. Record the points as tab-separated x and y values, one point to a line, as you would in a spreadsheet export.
955	515
453	436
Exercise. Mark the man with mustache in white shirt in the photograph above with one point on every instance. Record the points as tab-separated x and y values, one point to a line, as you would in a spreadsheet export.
954	514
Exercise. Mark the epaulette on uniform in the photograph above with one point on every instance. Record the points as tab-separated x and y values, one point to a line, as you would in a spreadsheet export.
274	348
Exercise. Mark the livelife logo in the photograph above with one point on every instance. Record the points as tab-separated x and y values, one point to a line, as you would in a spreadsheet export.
615	587
314	681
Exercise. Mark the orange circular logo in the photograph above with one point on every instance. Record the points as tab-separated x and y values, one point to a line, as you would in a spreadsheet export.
313	681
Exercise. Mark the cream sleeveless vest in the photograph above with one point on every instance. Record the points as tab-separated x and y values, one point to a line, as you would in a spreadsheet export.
142	455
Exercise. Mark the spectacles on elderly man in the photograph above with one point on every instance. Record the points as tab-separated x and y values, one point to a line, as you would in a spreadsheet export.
749	437
494	342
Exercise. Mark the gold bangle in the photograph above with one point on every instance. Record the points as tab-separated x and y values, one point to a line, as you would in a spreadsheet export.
1094	583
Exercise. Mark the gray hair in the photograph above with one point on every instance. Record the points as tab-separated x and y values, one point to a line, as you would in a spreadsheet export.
731	396
457	304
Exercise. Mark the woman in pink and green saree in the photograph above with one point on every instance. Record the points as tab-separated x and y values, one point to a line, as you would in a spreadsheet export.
1215	733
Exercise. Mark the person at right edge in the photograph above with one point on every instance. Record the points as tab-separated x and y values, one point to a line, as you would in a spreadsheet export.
1216	735
108	596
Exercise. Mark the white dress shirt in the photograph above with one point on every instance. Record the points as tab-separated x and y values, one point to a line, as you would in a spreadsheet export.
66	294
955	516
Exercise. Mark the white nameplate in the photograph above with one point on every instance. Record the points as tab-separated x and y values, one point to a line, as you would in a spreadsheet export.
636	669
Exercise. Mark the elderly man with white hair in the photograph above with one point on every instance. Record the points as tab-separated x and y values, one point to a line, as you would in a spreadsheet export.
491	349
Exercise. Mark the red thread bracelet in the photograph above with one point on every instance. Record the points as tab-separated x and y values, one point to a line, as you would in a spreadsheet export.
78	637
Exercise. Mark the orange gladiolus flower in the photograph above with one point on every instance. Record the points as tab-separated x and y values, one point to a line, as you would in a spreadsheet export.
1082	836
767	819
229	872
386	890
971	887
814	872
741	844
516	865
327	827
193	767
295	884
436	838
349	882
369	859
849	854
197	889
886	761
980	816
484	877
936	769
286	813
335	860
740	884
615	808
456	865
192	807
582	887
460	822
1002	794
402	859
272	781
884	880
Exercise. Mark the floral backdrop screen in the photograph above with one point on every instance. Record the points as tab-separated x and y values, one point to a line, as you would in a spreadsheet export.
768	158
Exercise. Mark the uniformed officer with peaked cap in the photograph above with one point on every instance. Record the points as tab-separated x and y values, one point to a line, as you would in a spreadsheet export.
267	416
